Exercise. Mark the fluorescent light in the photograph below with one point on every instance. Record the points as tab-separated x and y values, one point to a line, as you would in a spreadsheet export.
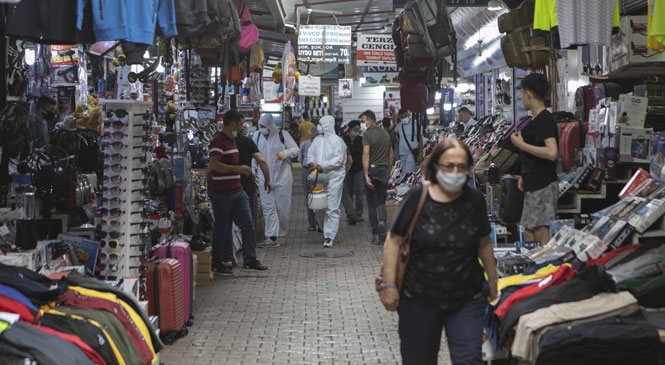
496	5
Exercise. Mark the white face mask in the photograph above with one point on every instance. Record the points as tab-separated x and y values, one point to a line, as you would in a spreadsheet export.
234	134
451	182
404	120
264	131
363	126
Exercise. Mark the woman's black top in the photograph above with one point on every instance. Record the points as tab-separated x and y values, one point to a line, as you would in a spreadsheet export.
443	267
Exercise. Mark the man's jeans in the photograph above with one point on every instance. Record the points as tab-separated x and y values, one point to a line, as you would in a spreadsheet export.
354	189
229	209
376	197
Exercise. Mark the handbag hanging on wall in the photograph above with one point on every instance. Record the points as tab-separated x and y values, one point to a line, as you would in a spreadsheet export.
404	250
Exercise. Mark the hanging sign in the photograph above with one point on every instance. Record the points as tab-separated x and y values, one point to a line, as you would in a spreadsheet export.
324	43
309	86
375	50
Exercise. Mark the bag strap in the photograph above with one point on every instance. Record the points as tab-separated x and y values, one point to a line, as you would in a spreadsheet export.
421	203
406	139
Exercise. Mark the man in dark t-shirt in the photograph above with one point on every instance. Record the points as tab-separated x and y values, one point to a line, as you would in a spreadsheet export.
248	151
539	149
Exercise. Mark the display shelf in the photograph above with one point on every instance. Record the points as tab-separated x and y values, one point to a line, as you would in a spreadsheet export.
571	202
124	192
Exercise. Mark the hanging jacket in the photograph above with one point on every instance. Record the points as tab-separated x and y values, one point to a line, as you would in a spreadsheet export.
47	22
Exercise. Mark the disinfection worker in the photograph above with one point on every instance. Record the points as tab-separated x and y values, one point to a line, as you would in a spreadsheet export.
328	156
278	148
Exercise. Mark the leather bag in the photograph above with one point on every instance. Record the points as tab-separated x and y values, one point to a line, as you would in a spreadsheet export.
404	250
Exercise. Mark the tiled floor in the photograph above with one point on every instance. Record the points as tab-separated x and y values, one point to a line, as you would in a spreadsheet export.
301	311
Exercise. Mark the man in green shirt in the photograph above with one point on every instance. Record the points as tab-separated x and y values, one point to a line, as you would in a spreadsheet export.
377	162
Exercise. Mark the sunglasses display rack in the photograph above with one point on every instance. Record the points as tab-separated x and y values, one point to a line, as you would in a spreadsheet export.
124	233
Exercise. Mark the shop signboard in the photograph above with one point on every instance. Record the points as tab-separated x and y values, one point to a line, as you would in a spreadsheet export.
375	50
324	43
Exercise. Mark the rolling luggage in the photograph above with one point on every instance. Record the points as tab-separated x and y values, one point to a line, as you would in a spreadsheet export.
512	200
165	297
181	251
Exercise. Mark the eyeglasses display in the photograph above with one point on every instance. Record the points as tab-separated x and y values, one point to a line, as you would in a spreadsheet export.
124	236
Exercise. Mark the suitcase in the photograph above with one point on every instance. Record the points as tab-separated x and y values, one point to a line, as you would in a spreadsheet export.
570	135
181	251
512	200
165	297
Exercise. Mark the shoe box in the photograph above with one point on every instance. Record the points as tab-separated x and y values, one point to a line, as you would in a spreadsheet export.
204	275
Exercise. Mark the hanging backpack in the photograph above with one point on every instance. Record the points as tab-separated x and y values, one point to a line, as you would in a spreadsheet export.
249	33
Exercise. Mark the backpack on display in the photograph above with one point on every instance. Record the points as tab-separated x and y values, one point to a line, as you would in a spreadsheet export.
224	21
249	33
429	29
413	88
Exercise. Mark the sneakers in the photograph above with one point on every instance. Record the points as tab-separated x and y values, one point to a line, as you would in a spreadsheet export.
376	239
328	242
268	243
255	265
382	227
223	269
311	228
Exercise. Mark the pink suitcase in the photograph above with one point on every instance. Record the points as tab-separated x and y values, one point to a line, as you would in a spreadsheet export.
181	251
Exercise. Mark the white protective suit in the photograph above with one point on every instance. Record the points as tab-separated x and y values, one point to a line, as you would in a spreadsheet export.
277	204
329	151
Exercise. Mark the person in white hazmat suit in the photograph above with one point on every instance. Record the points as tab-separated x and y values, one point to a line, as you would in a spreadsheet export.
278	148
328	155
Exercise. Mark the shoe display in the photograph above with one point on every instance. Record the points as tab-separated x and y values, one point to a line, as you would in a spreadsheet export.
255	265
371	80
376	239
328	242
268	243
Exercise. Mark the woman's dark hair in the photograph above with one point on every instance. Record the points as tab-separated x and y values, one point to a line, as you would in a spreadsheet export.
430	169
537	84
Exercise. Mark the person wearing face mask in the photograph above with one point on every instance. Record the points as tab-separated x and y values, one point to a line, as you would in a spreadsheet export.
410	141
354	186
230	203
302	157
465	120
328	155
43	121
248	152
278	147
444	285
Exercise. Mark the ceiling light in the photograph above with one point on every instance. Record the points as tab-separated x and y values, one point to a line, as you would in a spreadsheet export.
496	5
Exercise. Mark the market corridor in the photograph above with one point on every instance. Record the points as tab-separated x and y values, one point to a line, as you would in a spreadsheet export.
303	310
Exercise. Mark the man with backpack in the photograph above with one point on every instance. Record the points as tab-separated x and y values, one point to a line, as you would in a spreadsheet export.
278	148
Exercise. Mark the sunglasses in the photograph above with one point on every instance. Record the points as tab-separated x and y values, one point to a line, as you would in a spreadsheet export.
115	190
115	167
142	225
142	159
114	212
115	179
115	157
116	136
111	243
117	145
113	224
115	201
120	113
115	124
112	234
111	267
146	116
110	256
141	246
